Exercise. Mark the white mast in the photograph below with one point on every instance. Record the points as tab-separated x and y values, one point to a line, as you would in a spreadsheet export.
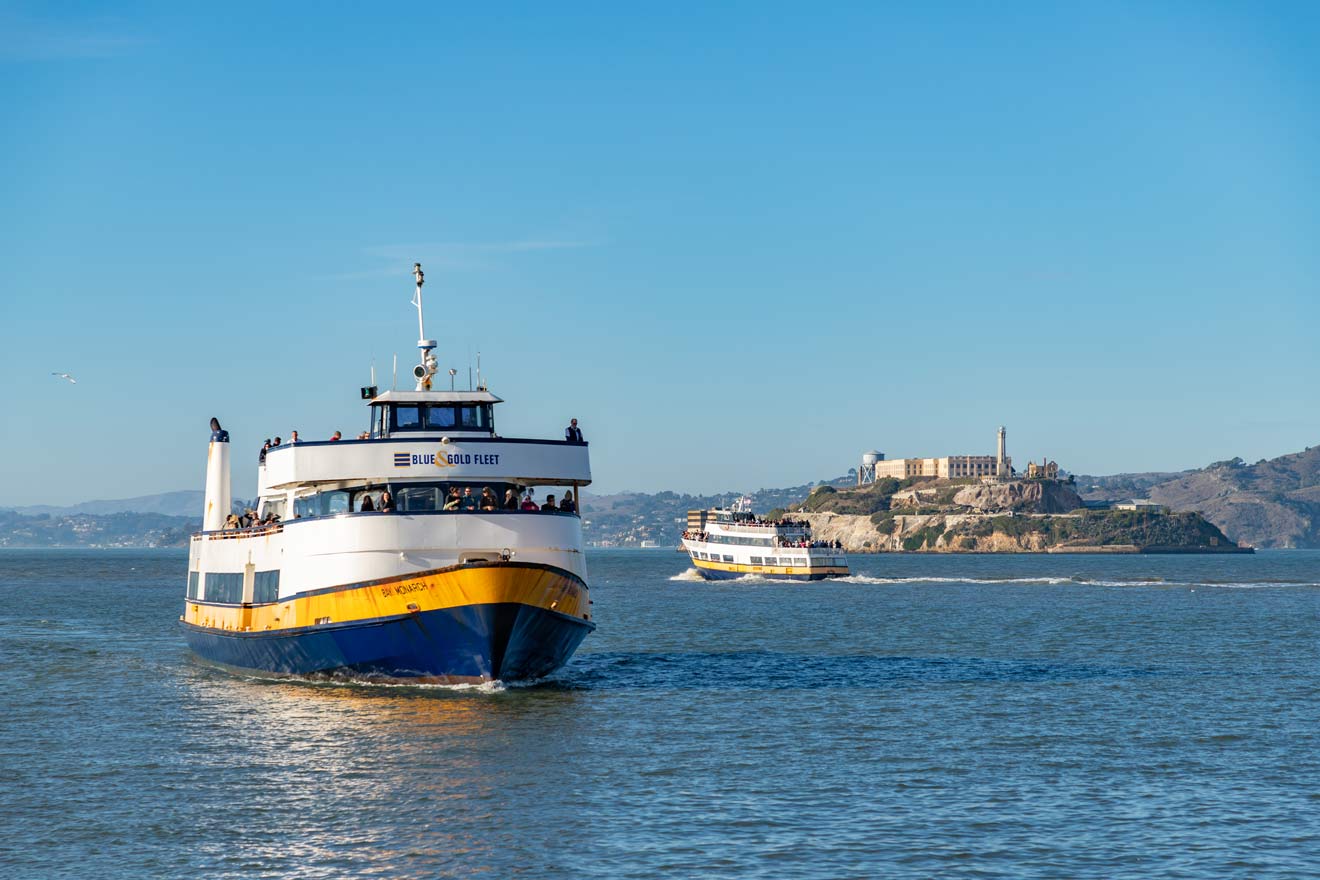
426	369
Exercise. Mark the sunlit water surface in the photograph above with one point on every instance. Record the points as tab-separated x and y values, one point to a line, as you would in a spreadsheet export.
971	716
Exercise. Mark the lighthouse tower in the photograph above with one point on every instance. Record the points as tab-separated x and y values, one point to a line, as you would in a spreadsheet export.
1001	456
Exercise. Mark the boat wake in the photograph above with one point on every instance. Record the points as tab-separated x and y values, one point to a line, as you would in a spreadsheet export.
1077	581
692	575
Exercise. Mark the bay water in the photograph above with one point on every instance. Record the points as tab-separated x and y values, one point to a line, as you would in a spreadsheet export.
950	716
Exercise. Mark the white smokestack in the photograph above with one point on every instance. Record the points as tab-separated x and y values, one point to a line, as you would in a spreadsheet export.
218	502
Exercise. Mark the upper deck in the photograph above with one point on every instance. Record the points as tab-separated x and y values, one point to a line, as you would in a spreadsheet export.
395	459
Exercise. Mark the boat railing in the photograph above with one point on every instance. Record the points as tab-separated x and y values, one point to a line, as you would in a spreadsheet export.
248	532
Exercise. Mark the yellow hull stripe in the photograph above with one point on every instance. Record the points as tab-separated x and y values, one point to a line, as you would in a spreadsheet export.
770	569
485	584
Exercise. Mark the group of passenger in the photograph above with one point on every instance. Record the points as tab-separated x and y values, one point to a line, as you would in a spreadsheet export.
780	540
808	544
487	500
248	519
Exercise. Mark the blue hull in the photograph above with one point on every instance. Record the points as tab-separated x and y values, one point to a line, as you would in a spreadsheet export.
507	641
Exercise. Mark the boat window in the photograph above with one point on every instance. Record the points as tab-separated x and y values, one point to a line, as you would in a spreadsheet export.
414	498
772	560
439	417
756	560
335	502
472	417
266	586
193	578
728	559
406	418
224	587
323	503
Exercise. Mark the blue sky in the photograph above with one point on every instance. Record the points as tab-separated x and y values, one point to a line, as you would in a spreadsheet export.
742	243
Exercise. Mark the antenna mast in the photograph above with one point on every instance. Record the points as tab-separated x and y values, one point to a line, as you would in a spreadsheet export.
426	369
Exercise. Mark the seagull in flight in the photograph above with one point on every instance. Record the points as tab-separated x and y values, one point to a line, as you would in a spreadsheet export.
66	376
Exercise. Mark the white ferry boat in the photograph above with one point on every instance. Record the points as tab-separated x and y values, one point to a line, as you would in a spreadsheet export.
363	567
726	543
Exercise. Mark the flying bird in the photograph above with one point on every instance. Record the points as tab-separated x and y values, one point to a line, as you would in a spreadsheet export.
66	376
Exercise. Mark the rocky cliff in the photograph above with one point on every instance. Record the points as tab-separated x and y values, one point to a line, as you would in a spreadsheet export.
1078	532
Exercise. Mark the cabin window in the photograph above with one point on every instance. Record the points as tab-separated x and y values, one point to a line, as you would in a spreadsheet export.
756	560
193	582
474	418
416	498
439	417
772	560
728	559
224	587
266	586
323	503
406	418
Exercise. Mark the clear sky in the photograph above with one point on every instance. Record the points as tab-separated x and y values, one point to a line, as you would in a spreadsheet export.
742	243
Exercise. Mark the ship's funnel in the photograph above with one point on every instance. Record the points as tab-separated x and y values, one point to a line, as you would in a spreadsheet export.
218	502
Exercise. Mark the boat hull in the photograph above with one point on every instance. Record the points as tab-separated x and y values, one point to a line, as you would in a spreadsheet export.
473	643
461	625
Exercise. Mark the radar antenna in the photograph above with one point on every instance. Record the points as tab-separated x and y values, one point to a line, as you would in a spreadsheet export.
426	369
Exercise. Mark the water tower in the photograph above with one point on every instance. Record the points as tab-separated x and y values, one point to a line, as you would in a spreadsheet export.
866	473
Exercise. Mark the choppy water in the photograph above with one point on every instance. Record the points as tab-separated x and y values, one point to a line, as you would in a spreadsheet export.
1028	716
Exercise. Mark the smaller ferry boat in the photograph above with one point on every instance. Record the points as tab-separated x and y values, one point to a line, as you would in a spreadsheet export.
732	542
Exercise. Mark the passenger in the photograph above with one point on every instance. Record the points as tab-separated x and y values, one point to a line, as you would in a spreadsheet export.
385	503
528	503
468	502
336	435
293	438
367	506
365	435
452	501
572	433
488	499
510	499
261	459
567	504
218	433
278	442
549	503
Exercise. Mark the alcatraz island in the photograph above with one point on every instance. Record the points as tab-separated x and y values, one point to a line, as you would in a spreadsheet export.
982	504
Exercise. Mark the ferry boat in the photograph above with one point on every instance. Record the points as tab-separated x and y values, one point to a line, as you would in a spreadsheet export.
733	542
356	569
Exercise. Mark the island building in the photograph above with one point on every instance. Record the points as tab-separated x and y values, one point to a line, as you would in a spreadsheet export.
876	467
1045	470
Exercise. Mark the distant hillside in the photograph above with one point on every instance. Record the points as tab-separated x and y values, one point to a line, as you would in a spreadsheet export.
95	530
1272	503
186	502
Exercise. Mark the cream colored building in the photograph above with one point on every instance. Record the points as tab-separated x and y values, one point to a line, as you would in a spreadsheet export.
875	466
948	467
